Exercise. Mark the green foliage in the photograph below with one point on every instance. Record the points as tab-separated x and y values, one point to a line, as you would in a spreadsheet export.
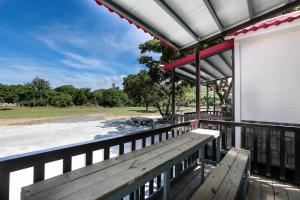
98	96
39	93
67	89
41	86
185	96
114	97
138	87
153	86
59	99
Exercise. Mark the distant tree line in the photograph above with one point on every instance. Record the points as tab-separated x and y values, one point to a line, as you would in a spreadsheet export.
39	93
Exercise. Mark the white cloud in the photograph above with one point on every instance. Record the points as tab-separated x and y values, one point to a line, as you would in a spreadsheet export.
13	71
128	41
74	42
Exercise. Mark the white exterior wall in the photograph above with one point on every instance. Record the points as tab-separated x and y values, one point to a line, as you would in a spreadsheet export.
267	75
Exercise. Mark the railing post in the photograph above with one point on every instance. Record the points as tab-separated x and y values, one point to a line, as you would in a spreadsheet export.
201	155
121	149
106	153
268	153
166	185
4	183
89	158
255	150
214	150
218	156
38	172
282	155
297	157
67	164
232	135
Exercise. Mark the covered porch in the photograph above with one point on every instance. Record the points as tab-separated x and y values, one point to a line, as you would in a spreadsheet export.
266	155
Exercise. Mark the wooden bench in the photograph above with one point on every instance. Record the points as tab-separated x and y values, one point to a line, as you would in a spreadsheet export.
115	178
228	180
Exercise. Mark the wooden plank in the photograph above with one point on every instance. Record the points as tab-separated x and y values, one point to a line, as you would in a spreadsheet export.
213	133
190	186
82	172
213	182
229	188
137	170
254	188
280	192
293	191
266	189
116	171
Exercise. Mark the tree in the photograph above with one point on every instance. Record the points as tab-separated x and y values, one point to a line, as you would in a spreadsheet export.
67	89
223	89
41	86
114	97
160	82
80	97
138	88
59	99
98	97
185	96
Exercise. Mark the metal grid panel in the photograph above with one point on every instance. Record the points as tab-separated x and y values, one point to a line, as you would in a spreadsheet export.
230	12
261	6
215	67
151	13
219	63
227	55
196	15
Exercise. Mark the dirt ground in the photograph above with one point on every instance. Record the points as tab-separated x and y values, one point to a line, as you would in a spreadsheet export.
67	119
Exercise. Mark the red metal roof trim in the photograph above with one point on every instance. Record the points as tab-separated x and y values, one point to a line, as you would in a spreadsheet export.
137	26
203	54
268	22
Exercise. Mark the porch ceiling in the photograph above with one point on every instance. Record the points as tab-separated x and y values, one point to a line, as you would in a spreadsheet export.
183	24
215	63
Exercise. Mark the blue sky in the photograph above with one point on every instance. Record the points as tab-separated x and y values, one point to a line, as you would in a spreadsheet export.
66	42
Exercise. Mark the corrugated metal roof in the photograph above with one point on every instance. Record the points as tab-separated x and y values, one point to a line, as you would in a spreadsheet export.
184	24
275	21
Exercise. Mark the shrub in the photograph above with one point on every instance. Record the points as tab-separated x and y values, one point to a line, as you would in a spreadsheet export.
60	99
114	97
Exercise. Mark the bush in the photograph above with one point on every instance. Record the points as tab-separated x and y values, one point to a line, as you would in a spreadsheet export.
60	99
114	98
41	102
34	103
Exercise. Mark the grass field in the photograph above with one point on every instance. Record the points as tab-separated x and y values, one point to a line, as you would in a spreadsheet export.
72	111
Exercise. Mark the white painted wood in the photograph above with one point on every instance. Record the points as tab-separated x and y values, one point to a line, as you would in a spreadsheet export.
267	75
237	96
201	131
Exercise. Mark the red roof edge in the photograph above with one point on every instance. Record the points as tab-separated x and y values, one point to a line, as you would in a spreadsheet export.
137	26
275	21
203	54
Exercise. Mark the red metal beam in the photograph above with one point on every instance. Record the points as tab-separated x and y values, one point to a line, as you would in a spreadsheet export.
203	54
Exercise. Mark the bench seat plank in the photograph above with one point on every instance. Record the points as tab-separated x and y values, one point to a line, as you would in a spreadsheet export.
91	169
107	180
213	182
230	186
224	181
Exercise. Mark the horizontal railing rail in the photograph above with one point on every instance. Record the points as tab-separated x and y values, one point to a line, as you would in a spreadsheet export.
211	115
259	137
276	146
38	159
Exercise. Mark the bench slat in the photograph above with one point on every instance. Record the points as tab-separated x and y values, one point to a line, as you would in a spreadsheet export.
104	188
82	172
106	182
212	183
230	186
